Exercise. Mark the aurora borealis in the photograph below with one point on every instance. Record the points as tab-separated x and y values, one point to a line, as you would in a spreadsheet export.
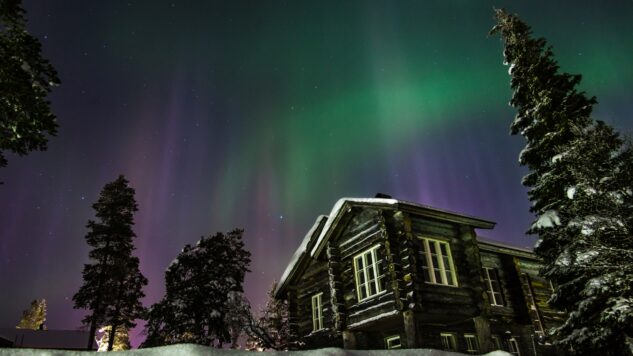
261	115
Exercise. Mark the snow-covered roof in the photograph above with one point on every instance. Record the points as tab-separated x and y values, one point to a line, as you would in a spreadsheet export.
343	205
46	339
325	225
300	254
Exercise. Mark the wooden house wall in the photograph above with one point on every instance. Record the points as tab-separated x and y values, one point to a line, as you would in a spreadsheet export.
493	260
313	281
365	230
542	291
429	335
444	303
437	308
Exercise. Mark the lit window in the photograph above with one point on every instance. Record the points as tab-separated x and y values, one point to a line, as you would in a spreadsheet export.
367	271
317	312
514	347
393	342
493	287
437	262
472	346
448	342
496	341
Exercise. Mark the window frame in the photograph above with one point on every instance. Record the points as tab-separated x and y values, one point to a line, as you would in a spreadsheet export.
366	286
430	267
492	298
513	346
472	346
317	312
496	341
389	339
450	339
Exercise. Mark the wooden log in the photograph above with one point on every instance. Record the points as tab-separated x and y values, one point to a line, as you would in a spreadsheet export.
410	329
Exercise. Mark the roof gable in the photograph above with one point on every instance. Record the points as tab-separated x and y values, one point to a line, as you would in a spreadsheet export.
344	205
317	237
299	257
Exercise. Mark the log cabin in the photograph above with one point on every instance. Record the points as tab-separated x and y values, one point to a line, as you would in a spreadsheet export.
381	273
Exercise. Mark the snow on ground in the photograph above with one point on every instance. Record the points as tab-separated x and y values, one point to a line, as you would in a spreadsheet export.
197	350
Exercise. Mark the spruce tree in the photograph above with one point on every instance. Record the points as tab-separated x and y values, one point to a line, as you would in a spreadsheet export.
34	317
113	283
26	78
579	184
199	283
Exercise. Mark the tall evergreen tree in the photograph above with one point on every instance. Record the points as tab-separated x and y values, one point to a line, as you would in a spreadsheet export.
198	285
34	317
113	284
580	188
25	80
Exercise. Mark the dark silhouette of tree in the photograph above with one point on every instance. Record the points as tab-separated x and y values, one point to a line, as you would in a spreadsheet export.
25	80
580	182
200	283
113	284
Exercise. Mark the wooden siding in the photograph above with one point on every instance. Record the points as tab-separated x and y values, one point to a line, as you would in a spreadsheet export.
367	229
493	260
430	308
439	303
314	280
537	291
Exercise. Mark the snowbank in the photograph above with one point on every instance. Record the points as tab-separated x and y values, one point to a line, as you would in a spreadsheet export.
189	349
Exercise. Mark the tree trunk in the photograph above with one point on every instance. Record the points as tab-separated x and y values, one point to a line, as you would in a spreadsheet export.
95	312
115	319
93	331
112	336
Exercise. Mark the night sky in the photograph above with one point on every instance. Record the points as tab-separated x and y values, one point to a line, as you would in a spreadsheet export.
261	114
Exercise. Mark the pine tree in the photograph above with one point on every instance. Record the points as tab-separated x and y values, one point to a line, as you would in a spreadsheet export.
34	317
112	283
25	80
198	285
580	188
121	339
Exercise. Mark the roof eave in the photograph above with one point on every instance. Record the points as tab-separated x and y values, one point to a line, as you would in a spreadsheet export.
298	258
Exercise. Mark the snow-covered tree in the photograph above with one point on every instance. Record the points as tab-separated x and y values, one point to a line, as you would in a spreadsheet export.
121	339
580	187
199	283
239	317
26	79
113	283
273	331
34	317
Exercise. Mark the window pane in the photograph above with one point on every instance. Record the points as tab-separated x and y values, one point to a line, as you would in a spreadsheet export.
436	262
443	248
361	277
370	273
438	276
369	260
449	278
